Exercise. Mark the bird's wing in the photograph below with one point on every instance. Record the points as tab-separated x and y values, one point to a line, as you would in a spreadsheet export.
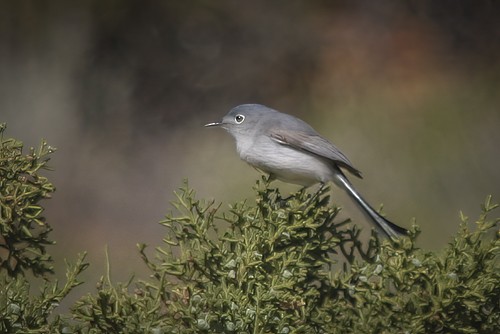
315	144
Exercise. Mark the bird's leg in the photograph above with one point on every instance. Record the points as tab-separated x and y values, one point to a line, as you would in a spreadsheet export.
318	192
270	178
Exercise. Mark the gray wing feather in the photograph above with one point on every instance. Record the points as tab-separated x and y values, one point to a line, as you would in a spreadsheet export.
314	144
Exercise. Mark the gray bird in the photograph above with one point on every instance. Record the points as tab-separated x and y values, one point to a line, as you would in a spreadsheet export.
290	150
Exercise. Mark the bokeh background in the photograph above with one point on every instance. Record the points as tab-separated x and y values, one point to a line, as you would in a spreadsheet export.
409	90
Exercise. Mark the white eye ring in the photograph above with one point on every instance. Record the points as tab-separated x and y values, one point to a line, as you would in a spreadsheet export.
239	118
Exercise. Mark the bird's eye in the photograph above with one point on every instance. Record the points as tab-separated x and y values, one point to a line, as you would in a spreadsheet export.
239	119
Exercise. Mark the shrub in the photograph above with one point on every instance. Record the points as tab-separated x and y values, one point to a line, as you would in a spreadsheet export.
23	230
24	235
279	265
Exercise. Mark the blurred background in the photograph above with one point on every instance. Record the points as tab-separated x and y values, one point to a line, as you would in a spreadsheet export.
409	90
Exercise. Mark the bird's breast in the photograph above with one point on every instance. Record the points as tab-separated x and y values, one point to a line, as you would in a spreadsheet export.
286	163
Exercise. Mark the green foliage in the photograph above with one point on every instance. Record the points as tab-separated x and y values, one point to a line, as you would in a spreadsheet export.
21	311
23	238
408	290
256	269
269	268
23	230
279	265
118	308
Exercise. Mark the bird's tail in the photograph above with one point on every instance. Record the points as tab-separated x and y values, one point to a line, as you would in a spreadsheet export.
390	229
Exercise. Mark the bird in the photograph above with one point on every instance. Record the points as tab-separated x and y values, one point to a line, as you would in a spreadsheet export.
290	150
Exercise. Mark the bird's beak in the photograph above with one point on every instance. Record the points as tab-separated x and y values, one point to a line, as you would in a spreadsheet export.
213	124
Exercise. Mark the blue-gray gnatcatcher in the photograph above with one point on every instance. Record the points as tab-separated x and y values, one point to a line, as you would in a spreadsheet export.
290	150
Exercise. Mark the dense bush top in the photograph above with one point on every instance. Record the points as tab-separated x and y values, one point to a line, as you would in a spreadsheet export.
276	265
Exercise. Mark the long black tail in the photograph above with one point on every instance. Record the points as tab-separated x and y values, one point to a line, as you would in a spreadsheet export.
390	229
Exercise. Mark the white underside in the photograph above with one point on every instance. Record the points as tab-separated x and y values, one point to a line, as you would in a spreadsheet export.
288	164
